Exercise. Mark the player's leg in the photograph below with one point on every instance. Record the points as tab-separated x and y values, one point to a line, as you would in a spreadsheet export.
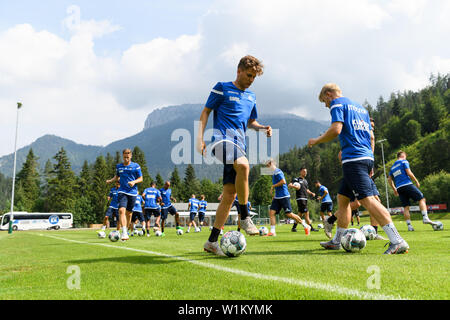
358	219
239	222
343	216
273	222
299	220
407	217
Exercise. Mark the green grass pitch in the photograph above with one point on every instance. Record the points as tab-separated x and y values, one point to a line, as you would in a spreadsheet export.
291	266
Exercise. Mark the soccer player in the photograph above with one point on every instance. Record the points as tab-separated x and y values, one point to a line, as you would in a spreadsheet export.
351	122
167	207
302	198
326	206
129	174
234	108
113	206
281	199
193	206
137	215
202	211
400	180
354	205
152	197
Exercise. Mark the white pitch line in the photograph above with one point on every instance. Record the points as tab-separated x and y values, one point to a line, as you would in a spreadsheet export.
302	283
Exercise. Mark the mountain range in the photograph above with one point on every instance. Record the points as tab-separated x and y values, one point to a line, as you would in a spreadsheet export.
156	142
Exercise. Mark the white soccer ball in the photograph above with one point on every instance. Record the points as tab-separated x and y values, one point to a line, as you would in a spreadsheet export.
263	231
140	233
158	233
197	229
320	226
210	228
101	234
438	226
369	232
353	240
233	243
179	232
221	231
296	184
155	229
114	236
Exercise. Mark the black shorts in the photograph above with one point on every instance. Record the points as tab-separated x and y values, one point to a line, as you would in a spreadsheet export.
227	152
201	216
192	215
302	206
326	207
126	201
111	212
165	212
283	203
137	215
356	213
407	192
148	213
357	182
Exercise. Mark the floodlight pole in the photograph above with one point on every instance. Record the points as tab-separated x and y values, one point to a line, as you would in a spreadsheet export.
384	169
11	217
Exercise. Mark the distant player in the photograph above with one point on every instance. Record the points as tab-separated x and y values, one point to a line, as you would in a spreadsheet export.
129	174
301	194
137	215
281	199
234	109
193	206
152	197
167	207
202	211
354	205
113	209
400	177
351	122
326	204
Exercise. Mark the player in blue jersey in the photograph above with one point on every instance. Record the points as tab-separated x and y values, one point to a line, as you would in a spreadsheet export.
400	179
281	200
326	204
167	207
152	197
129	174
137	215
202	211
113	206
351	122
193	207
234	109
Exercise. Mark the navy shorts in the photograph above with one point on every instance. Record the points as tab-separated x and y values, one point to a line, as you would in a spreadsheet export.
126	201
227	153
407	192
192	215
283	203
326	207
356	213
375	190
165	212
111	212
137	215
357	182
201	216
302	206
148	213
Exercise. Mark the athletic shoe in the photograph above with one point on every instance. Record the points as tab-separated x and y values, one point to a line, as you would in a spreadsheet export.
398	248
213	247
327	228
315	230
249	227
270	234
428	221
148	234
187	231
379	237
330	245
180	228
124	237
308	230
294	230
410	228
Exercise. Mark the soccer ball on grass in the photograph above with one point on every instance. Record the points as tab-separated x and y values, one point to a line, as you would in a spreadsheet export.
158	233
114	236
233	243
179	232
369	232
263	231
438	226
353	240
101	234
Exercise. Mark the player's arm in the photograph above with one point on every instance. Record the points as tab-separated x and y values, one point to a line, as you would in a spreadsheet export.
201	146
412	176
253	124
138	180
333	131
173	199
372	141
312	194
279	184
325	192
112	179
391	183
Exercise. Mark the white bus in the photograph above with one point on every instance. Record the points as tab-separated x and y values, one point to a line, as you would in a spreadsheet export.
38	220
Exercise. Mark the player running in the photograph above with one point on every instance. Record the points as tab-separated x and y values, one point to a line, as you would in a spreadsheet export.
193	206
234	111
326	206
400	177
301	194
113	206
281	199
129	174
351	122
167	207
152	197
202	211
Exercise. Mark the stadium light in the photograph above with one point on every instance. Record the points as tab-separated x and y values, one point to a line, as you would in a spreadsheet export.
11	217
384	169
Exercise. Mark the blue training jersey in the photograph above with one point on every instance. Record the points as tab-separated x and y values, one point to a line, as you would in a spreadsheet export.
282	191
194	204
202	206
165	195
126	174
114	195
398	173
355	134
327	198
151	196
232	110
138	204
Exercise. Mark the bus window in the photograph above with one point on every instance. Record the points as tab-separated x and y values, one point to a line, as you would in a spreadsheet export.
5	219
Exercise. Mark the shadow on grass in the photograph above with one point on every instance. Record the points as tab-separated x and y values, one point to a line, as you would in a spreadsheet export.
147	259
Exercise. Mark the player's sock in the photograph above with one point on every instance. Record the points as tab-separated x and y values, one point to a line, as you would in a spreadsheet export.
408	222
392	233
243	208
295	225
272	229
238	229
332	219
305	225
124	230
425	215
103	227
376	228
214	235
338	235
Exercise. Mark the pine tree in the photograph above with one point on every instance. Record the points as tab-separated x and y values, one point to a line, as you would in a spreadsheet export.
191	185
28	184
99	190
175	183
159	181
139	158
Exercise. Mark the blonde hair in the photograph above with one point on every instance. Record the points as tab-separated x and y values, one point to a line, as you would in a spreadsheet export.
270	162
329	87
250	62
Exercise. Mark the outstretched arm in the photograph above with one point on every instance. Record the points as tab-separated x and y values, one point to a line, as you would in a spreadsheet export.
253	124
333	131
